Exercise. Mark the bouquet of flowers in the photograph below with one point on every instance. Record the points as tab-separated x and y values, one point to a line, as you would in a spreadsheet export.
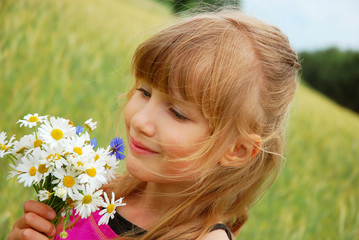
64	166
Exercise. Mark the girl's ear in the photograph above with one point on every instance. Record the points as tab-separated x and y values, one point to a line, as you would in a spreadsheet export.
240	153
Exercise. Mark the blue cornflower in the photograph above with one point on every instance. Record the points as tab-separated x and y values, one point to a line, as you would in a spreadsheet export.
118	147
79	130
93	142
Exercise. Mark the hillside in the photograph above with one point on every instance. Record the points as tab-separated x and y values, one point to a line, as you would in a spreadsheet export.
71	58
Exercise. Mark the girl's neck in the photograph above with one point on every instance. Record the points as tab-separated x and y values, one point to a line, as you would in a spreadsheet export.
145	206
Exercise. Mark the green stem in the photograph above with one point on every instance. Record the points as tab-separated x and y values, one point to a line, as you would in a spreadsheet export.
35	131
36	188
12	158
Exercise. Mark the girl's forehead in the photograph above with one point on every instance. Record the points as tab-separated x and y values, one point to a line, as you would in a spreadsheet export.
172	95
170	90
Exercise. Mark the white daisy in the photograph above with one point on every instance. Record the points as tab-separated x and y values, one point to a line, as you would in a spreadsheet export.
31	120
78	163
25	147
87	137
44	195
102	155
109	162
90	125
56	130
109	209
21	147
68	180
28	169
88	202
94	175
13	173
5	145
60	192
54	156
77	145
43	168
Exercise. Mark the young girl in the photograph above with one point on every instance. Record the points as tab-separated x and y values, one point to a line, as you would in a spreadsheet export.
204	125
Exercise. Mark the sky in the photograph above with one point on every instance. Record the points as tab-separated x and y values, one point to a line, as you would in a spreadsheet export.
311	24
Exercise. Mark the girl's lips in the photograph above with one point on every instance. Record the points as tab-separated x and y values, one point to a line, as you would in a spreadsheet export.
139	148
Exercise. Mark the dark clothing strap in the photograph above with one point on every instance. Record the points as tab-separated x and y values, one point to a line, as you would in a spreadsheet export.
223	227
120	225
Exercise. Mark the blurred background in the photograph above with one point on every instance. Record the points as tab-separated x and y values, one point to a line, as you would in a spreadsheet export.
72	59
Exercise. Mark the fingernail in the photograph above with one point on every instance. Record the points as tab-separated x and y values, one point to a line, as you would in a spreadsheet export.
53	232
51	215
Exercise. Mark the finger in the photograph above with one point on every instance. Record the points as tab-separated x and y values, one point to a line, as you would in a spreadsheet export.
38	223
40	209
59	228
26	234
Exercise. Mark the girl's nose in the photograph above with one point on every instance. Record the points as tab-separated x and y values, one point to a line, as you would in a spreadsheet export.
144	120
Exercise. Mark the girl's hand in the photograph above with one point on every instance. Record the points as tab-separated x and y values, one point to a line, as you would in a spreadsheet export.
34	223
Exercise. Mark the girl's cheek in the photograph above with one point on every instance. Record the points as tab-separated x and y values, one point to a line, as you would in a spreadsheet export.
180	151
177	147
128	113
183	141
183	167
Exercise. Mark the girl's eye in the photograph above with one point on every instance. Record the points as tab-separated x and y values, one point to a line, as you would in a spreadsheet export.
144	92
178	115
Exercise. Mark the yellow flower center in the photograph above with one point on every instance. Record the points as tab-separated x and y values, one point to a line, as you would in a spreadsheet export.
38	143
97	157
21	150
32	171
87	199
80	164
57	134
42	168
68	181
33	119
91	172
4	147
110	208
78	150
71	123
54	156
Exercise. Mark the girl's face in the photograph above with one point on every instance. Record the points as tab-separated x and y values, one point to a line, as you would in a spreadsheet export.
161	128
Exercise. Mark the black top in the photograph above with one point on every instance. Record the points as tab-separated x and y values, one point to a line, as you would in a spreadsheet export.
120	225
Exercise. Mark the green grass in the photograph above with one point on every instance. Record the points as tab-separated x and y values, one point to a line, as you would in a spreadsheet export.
316	194
66	58
72	58
69	58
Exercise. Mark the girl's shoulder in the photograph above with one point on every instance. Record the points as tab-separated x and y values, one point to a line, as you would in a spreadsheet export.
219	234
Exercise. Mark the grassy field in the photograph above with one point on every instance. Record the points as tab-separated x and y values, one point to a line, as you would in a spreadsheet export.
72	58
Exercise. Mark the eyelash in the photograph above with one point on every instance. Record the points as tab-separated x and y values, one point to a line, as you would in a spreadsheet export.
145	93
178	115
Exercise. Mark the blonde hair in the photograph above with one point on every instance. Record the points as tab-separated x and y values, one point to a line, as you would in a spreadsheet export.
242	74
